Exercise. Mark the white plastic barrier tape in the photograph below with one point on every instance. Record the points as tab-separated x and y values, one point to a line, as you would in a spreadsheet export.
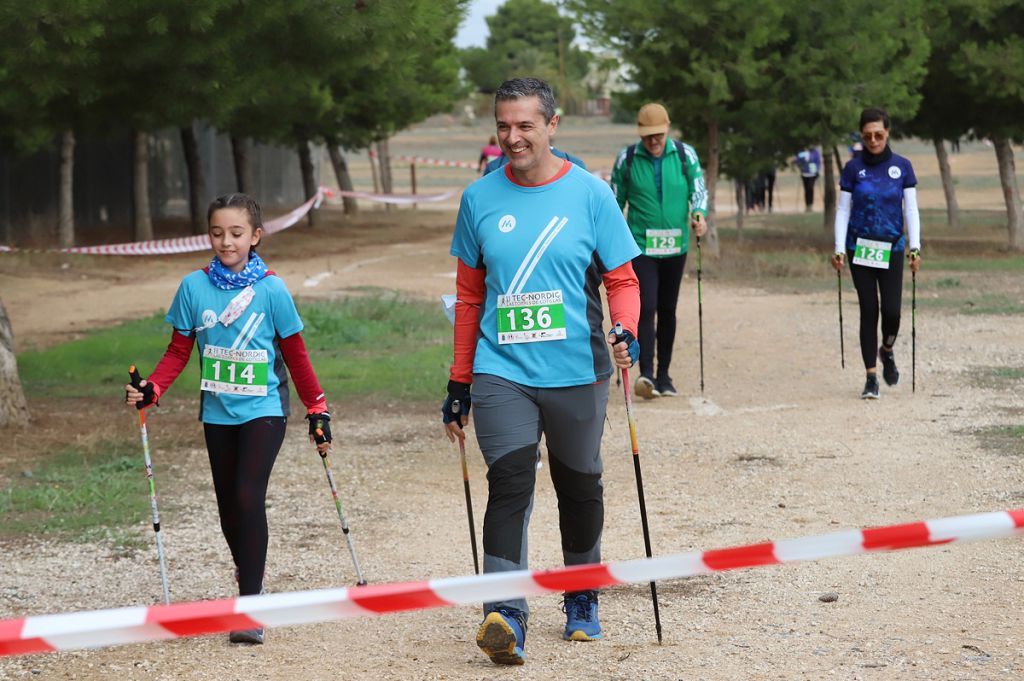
184	244
401	199
420	160
47	633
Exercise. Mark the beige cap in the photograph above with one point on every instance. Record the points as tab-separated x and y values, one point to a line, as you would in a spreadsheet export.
652	120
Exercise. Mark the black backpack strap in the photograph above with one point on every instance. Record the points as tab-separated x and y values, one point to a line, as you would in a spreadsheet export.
630	153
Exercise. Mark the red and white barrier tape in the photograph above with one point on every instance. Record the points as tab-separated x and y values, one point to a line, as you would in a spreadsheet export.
184	244
47	633
400	199
420	160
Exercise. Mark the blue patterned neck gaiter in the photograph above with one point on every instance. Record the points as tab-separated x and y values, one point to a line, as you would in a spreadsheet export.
223	278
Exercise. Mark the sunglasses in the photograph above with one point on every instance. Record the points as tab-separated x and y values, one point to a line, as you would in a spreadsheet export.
876	136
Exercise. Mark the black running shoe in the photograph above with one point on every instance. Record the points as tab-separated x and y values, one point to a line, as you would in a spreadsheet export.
251	636
665	388
889	371
870	388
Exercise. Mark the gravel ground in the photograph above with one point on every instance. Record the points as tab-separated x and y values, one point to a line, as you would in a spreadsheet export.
780	446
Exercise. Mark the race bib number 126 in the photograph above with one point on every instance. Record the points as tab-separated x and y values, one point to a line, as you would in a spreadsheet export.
872	253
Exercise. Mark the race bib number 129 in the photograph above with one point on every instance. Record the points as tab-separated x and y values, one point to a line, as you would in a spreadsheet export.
663	242
531	317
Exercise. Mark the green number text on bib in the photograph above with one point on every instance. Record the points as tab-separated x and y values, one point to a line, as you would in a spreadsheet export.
238	372
872	253
664	242
530	317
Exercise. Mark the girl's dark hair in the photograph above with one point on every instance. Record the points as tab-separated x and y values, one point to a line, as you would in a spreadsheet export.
238	200
873	115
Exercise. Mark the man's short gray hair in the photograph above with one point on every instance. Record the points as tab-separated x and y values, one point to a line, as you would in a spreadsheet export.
517	88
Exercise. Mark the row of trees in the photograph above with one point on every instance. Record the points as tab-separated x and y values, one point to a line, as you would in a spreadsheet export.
753	81
346	73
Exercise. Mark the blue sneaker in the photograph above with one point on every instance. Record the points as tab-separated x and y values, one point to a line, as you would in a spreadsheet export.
503	636
581	622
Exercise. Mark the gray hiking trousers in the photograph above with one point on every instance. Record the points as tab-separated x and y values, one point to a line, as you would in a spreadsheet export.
509	419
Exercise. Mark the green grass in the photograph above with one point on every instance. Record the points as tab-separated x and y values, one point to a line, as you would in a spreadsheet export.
1007	440
79	493
974	264
375	346
996	377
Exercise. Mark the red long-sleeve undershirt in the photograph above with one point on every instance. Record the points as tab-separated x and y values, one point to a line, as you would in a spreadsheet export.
293	351
623	306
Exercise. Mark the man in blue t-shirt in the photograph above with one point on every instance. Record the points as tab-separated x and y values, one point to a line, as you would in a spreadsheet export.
534	243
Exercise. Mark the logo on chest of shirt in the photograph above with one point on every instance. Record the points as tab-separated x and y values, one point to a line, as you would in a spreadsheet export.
895	173
507	223
862	172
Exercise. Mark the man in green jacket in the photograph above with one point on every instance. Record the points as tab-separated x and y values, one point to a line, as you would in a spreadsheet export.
661	182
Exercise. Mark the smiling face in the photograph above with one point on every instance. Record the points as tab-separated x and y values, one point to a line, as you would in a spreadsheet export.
875	136
525	137
232	237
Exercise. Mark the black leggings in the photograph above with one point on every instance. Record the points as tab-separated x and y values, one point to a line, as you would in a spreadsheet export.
809	189
659	292
241	458
872	283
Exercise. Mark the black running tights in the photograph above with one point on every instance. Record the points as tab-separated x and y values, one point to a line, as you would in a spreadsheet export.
878	288
659	292
241	458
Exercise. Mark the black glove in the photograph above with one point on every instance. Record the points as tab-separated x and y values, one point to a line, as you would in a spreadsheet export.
320	427
148	394
456	404
627	337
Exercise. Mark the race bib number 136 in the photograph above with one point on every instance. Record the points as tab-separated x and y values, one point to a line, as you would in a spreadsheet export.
531	317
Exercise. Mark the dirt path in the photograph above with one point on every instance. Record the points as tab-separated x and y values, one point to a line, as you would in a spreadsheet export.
781	448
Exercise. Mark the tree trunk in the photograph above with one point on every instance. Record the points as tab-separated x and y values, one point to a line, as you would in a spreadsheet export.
741	207
243	167
384	161
710	182
1011	192
373	170
140	185
66	200
952	208
196	182
308	179
341	173
13	408
830	192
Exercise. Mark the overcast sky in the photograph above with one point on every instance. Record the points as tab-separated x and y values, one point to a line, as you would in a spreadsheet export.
474	29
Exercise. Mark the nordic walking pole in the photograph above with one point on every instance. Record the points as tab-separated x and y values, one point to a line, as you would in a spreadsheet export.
341	513
913	331
700	327
136	380
456	408
639	482
839	289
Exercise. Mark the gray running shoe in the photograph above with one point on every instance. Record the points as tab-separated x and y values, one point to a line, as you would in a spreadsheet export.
870	388
644	387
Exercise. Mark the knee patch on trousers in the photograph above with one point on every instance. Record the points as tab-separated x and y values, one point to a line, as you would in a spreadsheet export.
580	506
510	480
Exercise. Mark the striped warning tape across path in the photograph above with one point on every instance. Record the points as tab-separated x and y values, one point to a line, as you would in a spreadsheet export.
399	199
423	161
47	633
184	244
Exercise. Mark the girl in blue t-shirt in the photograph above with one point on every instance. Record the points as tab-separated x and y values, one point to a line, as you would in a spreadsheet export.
876	218
245	323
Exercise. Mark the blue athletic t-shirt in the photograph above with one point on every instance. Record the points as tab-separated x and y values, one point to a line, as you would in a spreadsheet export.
877	206
271	315
544	249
